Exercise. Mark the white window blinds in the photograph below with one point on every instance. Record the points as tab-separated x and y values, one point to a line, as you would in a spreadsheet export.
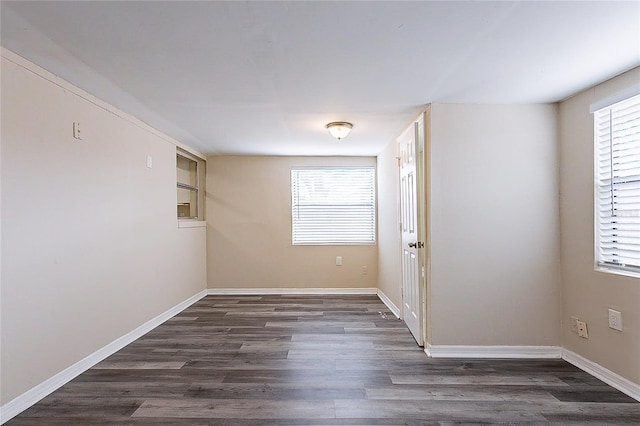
617	198
333	205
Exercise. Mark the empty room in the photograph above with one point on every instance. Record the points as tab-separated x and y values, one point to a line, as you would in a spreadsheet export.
319	212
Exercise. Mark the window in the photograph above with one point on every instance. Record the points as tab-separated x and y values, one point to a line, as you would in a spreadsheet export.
188	191
617	198
333	206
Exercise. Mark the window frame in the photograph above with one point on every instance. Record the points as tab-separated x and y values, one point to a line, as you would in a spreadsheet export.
607	187
338	241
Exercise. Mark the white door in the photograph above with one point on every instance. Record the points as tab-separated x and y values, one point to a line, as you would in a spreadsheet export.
410	225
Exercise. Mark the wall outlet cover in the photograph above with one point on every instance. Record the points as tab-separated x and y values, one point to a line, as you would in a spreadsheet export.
582	329
615	320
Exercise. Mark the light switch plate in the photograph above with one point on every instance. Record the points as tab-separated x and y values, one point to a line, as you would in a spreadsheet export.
76	130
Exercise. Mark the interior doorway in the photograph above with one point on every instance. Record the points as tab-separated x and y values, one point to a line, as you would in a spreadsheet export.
411	146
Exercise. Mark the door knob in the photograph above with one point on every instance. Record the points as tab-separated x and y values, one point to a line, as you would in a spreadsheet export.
417	244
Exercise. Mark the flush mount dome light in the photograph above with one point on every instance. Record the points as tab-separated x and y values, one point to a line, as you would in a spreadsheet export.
339	129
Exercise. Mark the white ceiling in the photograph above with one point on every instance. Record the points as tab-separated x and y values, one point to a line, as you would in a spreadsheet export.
265	77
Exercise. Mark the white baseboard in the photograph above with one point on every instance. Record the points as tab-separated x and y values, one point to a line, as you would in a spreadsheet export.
463	351
266	291
609	377
35	394
392	307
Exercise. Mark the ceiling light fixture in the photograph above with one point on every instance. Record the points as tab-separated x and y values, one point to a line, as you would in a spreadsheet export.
339	129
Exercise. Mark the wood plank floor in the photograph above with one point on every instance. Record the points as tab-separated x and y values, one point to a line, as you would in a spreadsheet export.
316	360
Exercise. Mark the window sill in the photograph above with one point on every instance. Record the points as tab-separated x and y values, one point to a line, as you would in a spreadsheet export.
331	244
191	224
615	271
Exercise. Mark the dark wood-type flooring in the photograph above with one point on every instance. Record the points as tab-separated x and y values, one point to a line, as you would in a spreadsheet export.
316	360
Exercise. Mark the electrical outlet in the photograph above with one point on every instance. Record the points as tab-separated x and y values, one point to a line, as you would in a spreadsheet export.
582	329
338	260
364	270
574	325
615	320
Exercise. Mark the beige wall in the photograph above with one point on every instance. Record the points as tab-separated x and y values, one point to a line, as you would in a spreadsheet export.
494	225
90	244
588	294
249	229
389	272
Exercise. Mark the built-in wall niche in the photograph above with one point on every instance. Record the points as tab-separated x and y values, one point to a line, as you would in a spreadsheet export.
188	187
